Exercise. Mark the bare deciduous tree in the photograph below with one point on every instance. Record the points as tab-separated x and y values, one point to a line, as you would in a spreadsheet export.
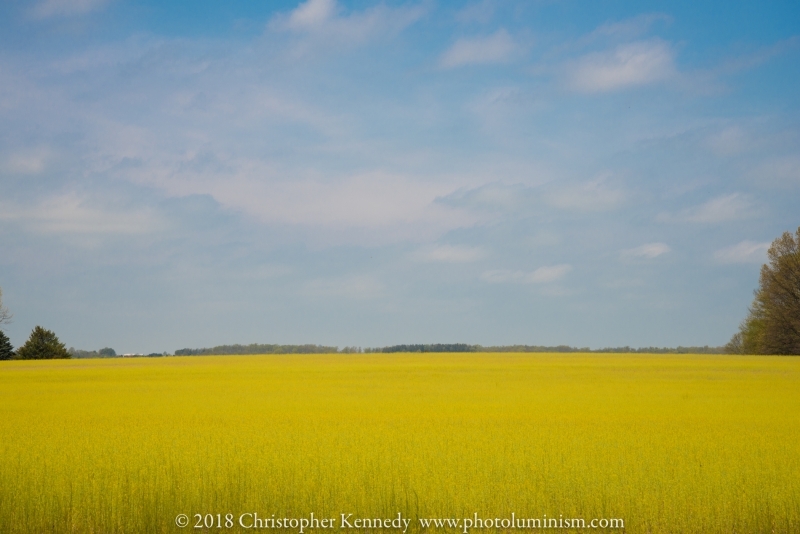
5	315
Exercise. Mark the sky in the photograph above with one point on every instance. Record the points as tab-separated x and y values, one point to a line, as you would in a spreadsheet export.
188	174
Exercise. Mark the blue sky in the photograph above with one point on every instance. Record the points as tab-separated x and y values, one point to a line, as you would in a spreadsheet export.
187	174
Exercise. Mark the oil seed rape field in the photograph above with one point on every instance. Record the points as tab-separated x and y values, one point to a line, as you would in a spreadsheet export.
671	444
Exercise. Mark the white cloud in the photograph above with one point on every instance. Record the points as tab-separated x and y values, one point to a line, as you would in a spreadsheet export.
648	250
325	21
312	14
744	252
728	142
630	28
450	254
595	195
366	200
180	151
496	48
628	65
494	196
26	161
367	206
71	214
721	209
55	8
542	275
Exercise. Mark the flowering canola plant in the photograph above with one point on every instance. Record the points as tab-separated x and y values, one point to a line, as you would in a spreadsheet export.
669	443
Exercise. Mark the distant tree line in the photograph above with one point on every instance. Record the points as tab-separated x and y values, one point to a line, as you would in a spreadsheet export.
705	349
530	348
256	348
433	347
462	347
106	352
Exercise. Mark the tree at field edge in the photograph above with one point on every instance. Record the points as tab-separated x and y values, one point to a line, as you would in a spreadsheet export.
42	345
6	349
773	322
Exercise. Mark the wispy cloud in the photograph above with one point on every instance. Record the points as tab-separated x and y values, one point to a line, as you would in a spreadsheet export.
590	196
630	28
492	197
31	161
720	209
326	21
542	275
72	214
312	14
744	252
496	48
56	8
628	65
729	141
711	81
648	250
594	195
757	58
450	254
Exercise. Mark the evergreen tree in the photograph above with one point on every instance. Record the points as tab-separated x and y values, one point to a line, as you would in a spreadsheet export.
6	350
42	345
773	324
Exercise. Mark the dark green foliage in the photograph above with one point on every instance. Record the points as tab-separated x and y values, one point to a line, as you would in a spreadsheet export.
107	352
6	350
773	323
42	345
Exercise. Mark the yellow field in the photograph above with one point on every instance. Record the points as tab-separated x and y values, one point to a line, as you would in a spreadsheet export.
672	444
